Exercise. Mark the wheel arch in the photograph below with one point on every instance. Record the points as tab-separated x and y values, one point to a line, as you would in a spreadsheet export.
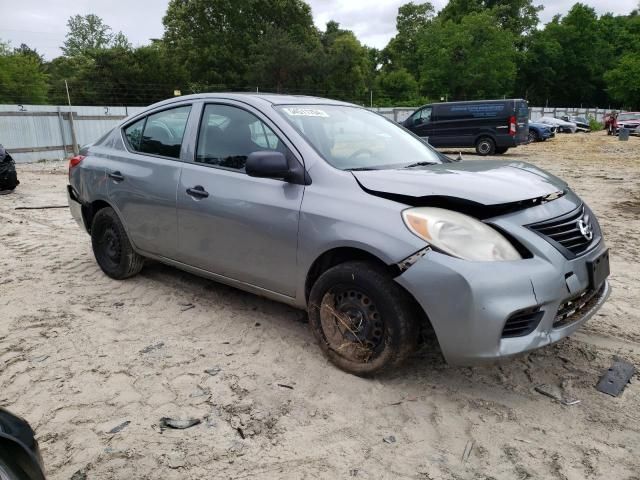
89	211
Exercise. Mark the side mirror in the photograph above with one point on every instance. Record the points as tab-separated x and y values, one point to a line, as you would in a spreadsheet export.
268	164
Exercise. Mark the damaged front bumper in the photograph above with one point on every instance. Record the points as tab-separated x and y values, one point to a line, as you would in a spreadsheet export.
484	311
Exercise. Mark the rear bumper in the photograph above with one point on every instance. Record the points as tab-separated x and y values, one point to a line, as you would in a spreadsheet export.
469	303
76	208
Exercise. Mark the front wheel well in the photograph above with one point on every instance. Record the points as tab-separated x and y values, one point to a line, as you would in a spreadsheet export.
340	255
337	256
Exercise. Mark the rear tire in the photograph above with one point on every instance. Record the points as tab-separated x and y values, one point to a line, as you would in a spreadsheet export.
111	246
363	321
485	146
533	136
502	150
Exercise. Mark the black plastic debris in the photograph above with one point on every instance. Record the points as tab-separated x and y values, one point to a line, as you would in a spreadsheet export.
390	439
8	177
615	379
166	422
120	427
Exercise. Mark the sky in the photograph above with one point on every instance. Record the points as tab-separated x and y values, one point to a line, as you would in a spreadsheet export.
41	24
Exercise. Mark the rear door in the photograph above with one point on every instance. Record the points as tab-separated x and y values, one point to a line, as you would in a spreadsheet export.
142	180
240	227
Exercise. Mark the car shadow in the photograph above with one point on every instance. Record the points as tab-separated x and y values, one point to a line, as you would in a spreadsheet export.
552	364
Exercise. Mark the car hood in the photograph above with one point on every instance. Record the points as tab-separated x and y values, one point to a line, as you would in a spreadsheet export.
485	182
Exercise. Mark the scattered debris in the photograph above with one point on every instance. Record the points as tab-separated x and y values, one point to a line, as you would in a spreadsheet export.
43	207
467	450
187	306
283	385
555	393
615	379
118	304
120	427
177	424
40	359
257	324
80	474
390	439
151	348
239	430
213	371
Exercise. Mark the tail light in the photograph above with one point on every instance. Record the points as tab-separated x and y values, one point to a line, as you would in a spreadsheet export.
74	162
512	126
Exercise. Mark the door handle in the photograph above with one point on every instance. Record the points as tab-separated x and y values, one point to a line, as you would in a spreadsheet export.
198	191
117	176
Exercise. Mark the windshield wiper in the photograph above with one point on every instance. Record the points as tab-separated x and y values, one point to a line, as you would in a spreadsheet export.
420	164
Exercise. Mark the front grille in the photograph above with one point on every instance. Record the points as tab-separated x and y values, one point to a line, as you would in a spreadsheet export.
575	308
522	323
574	232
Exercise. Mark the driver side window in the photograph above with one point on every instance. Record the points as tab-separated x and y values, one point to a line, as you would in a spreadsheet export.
425	115
229	134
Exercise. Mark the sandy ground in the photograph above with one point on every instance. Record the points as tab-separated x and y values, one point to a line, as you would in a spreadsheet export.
81	354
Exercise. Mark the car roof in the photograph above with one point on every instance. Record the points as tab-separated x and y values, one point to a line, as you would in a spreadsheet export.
255	99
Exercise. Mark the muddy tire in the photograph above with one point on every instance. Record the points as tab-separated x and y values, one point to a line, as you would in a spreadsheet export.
111	246
363	321
485	146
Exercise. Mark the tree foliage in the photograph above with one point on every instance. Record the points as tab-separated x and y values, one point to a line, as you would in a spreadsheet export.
470	49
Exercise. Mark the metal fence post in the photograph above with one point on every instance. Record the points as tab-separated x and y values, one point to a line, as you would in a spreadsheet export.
73	134
64	137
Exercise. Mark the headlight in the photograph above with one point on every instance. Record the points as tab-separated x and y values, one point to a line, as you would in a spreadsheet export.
459	235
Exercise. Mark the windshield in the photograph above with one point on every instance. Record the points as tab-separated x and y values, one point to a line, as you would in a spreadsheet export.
352	138
629	116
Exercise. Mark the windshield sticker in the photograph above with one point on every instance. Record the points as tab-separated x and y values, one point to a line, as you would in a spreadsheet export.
305	112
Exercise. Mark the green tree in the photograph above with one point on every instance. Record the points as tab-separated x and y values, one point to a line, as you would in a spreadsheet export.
397	87
346	67
566	62
474	58
518	16
622	81
86	33
214	39
401	52
22	79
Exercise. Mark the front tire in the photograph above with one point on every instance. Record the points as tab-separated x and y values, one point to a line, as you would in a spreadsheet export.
485	146
533	137
363	321
111	246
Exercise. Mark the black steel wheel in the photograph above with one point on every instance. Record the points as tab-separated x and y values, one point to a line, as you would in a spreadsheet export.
111	246
363	321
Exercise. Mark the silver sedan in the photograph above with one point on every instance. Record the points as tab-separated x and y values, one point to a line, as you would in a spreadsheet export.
334	209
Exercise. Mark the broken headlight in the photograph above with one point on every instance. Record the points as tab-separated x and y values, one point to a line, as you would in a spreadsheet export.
459	235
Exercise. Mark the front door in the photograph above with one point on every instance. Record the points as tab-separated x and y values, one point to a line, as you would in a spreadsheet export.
144	177
230	224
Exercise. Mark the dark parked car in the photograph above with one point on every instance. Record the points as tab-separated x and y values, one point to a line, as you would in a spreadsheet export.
540	132
491	126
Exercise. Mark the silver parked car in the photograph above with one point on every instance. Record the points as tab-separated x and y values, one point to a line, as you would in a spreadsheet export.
332	208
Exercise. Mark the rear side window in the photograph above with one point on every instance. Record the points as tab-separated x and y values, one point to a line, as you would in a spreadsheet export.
133	133
163	132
